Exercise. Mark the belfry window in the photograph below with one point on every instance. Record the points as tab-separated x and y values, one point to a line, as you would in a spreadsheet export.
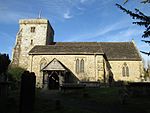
125	70
31	43
32	29
82	66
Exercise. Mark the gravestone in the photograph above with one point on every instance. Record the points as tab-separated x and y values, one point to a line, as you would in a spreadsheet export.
27	92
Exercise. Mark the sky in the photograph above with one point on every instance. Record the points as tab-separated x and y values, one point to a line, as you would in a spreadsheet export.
74	20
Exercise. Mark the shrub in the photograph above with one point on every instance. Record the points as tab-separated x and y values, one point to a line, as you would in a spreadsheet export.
4	63
14	76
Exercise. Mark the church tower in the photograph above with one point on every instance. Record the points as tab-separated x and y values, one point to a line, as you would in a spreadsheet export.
32	32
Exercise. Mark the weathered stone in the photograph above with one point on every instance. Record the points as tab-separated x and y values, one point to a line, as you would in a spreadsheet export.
26	40
96	65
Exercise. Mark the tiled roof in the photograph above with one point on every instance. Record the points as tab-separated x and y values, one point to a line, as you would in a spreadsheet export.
120	50
112	50
68	48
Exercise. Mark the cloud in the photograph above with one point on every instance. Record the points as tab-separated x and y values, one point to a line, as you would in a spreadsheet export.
119	31
100	32
60	9
82	1
67	15
125	35
65	9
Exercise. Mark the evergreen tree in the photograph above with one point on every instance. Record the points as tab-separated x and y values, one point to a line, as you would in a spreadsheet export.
142	1
143	20
4	63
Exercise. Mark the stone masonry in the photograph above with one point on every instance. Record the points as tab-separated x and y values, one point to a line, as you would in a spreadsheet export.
26	39
35	48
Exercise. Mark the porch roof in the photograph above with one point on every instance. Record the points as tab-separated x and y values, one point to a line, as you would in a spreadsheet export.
54	65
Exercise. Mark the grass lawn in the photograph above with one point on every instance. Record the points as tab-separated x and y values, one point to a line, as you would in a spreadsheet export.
98	100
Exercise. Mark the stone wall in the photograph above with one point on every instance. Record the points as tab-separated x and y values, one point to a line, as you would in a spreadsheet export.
95	67
16	50
69	61
26	39
135	70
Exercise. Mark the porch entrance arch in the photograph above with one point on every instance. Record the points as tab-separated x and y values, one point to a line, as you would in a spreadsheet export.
54	74
53	80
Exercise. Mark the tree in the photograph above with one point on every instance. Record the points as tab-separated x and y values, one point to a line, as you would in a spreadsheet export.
142	1
143	20
14	75
4	63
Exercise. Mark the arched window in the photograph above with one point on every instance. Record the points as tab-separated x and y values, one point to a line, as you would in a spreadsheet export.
82	66
125	70
43	63
77	66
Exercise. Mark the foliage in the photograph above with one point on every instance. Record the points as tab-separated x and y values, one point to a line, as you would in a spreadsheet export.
14	75
146	74
4	63
142	1
143	20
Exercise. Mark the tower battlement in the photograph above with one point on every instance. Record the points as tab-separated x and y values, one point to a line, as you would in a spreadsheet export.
33	21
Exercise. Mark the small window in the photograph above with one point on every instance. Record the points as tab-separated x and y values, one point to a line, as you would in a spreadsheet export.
32	29
31	42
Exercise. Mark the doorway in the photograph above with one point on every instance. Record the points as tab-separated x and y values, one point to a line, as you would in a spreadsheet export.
53	81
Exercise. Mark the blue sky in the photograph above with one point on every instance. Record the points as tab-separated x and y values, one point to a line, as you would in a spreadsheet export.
73	20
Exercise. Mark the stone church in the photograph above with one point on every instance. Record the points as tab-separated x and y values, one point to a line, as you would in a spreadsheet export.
55	63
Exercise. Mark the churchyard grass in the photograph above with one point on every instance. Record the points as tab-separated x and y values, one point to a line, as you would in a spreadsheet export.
94	100
91	100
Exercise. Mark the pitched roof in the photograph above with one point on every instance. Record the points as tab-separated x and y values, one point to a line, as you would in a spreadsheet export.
68	48
120	51
112	50
54	65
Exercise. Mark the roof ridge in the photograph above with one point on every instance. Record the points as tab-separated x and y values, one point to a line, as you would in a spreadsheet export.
93	42
115	42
